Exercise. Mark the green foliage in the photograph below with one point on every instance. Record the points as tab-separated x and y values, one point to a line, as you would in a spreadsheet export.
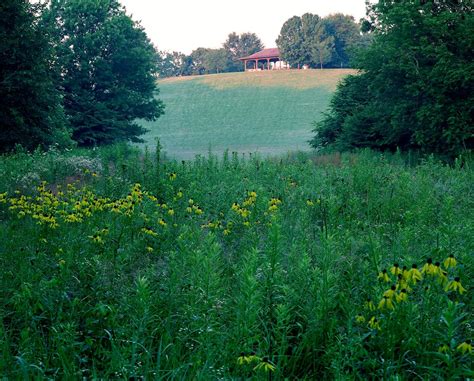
30	109
290	42
173	64
415	87
127	266
108	69
208	61
347	38
238	46
317	42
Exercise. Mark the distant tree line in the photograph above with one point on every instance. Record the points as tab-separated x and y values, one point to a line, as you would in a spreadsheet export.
308	40
73	72
210	61
415	86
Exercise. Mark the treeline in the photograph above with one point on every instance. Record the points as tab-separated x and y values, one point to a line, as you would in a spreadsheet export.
73	72
415	87
210	61
308	40
321	42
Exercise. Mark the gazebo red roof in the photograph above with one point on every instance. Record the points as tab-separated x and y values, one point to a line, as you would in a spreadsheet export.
263	54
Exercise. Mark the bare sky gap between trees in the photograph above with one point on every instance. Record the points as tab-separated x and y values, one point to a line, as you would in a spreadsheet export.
186	25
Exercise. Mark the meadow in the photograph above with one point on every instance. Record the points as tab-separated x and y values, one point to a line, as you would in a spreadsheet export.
266	112
117	264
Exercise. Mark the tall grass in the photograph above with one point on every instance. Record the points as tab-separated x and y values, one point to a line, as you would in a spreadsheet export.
235	268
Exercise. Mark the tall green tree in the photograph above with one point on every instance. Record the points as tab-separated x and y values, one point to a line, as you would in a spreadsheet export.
30	107
415	87
291	42
238	46
199	61
171	64
216	61
311	31
347	37
108	69
321	45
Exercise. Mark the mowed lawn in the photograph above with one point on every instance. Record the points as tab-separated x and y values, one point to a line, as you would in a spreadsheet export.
265	112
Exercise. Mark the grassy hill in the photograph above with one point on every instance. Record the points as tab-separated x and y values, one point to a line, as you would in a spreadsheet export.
268	112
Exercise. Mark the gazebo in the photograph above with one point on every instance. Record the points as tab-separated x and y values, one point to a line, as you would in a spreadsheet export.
271	55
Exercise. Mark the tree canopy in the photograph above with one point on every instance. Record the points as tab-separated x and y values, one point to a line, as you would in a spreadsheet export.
319	42
209	61
107	67
30	109
415	86
238	46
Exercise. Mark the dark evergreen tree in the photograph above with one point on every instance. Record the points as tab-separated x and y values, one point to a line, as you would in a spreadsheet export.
415	89
108	70
30	107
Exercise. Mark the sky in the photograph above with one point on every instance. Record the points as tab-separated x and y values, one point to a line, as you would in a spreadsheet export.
184	25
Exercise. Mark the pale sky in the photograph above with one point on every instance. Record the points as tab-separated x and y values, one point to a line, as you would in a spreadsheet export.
184	25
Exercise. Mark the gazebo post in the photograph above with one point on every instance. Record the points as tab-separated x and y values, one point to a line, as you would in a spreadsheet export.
256	65
245	65
268	63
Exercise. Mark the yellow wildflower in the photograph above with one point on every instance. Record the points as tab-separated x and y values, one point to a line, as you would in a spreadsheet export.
429	268
450	262
402	296
384	276
273	208
374	323
395	269
455	285
405	273
149	249
247	358
309	202
386	304
96	238
360	319
171	212
150	232
465	347
443	348
172	176
390	293
369	304
443	278
265	365
414	274
162	222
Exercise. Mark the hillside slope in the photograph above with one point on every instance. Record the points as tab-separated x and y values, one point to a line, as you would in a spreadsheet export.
268	112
